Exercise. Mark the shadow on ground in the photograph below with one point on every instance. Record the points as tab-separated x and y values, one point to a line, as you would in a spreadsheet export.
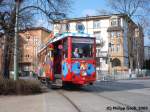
104	86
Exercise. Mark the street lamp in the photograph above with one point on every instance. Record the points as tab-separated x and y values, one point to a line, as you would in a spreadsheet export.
87	22
17	3
109	56
52	18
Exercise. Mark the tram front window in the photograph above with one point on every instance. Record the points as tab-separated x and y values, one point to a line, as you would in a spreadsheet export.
82	50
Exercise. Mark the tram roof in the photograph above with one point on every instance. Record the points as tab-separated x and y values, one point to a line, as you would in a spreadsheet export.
64	35
67	34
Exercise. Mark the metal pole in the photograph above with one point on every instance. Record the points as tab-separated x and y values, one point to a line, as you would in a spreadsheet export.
109	59
16	43
87	23
138	59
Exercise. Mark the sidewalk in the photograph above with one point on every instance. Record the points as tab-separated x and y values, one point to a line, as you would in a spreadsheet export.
30	103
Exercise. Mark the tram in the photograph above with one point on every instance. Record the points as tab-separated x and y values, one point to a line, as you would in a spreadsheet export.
69	58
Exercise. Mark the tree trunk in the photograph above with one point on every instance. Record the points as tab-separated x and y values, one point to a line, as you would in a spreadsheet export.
5	59
7	56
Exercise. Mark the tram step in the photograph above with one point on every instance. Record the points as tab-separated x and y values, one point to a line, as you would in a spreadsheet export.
58	82
58	76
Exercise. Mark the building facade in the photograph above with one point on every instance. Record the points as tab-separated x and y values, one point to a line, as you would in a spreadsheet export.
30	41
138	43
114	37
146	53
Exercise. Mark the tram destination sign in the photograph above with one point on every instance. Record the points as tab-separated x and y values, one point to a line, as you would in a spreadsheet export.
82	40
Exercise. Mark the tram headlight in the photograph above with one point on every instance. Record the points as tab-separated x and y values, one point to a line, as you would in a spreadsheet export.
84	73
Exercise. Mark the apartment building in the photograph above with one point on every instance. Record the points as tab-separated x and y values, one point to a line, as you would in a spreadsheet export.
115	39
30	41
146	53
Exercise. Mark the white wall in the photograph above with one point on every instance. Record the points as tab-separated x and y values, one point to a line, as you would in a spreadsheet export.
104	24
125	41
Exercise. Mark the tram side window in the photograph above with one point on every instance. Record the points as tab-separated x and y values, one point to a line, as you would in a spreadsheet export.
65	49
82	50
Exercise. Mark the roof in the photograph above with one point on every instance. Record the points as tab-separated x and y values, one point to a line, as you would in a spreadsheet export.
93	18
64	35
90	17
35	28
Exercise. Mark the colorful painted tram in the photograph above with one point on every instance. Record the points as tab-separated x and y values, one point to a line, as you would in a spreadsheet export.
69	58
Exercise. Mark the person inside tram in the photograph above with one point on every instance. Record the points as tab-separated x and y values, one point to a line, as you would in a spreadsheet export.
76	53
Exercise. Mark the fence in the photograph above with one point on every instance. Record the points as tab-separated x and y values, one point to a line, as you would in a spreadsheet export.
104	75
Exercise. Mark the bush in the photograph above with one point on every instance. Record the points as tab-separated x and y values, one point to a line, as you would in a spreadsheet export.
23	87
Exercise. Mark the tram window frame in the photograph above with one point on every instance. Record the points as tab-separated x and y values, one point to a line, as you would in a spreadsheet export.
89	41
65	48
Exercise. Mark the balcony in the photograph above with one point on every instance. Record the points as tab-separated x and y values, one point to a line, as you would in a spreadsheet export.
102	54
25	60
99	42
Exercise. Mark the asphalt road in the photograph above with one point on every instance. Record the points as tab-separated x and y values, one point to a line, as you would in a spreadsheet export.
108	96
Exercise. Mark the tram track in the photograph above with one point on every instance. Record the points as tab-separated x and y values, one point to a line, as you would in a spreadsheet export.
95	92
61	92
112	100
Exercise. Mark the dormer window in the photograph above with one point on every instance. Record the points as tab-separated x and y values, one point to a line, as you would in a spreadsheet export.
115	21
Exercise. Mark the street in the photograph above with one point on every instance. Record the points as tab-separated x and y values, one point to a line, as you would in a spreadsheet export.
103	96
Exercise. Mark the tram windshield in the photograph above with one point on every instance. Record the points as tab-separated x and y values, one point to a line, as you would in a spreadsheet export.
82	48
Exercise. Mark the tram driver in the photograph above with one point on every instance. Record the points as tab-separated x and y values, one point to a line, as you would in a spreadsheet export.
76	53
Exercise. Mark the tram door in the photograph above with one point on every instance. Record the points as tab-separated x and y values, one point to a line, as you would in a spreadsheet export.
57	60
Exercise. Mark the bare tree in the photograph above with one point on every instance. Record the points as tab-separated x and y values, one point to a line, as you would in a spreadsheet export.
133	9
28	9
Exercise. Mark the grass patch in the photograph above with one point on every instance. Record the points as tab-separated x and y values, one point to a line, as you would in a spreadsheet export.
19	87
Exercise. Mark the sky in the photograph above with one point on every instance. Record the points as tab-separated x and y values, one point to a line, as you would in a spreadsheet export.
83	7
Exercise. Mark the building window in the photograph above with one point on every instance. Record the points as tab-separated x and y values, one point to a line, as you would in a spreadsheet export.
118	34
67	27
112	34
96	24
118	47
98	52
35	40
97	35
80	27
57	27
115	22
27	55
118	41
112	47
